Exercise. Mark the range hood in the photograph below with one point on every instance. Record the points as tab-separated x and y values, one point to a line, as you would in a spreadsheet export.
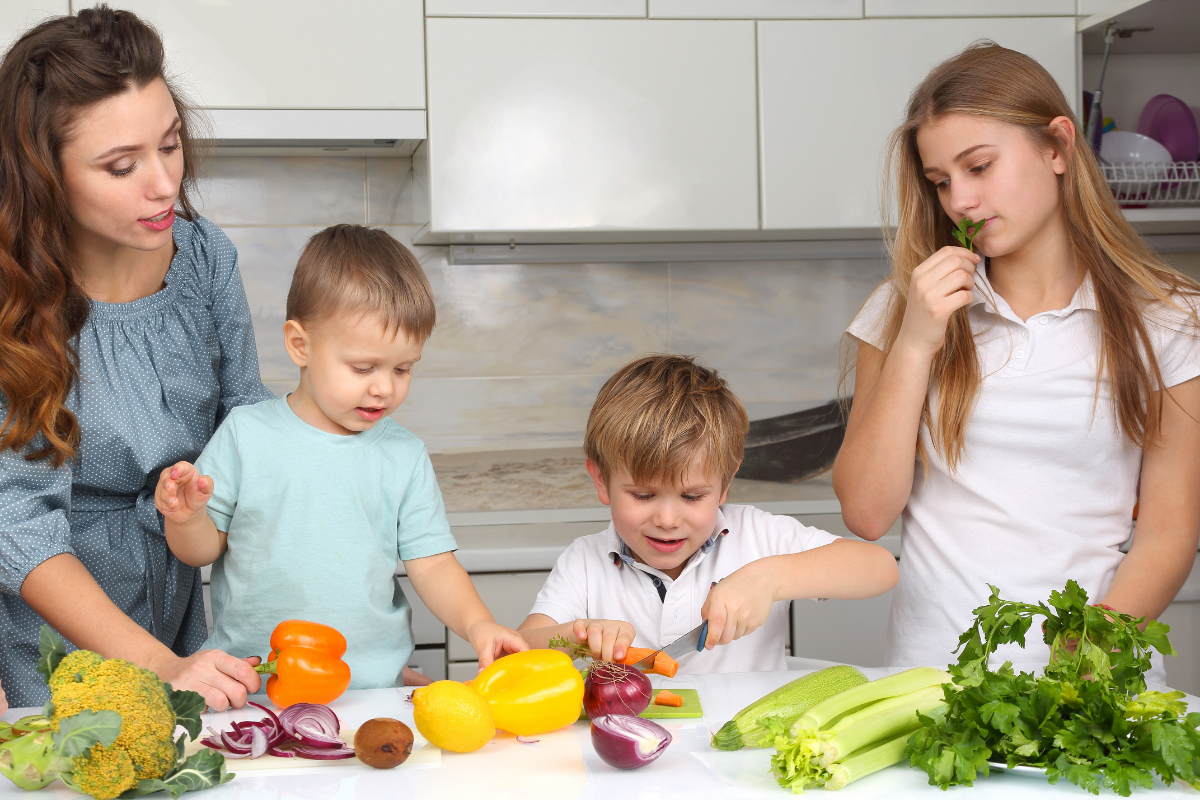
376	132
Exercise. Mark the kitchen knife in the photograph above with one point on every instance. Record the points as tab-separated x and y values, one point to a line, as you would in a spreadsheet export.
690	642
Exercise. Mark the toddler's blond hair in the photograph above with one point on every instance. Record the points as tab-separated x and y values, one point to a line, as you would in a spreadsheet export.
656	413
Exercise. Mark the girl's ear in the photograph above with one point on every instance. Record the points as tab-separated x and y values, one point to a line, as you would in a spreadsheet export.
1062	129
295	339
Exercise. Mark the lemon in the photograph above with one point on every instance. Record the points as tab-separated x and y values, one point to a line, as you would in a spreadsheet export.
453	716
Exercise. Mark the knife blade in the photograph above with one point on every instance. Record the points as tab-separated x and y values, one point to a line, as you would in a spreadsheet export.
690	642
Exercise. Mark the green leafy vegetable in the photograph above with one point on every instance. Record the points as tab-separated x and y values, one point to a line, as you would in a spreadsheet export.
1088	718
76	735
187	706
966	230
204	770
51	650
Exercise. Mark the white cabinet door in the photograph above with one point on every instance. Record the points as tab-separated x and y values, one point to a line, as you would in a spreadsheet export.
845	631
591	125
294	53
18	16
509	596
535	8
832	91
969	8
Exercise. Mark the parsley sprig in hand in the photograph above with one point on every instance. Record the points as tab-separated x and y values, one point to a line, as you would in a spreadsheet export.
1088	718
966	230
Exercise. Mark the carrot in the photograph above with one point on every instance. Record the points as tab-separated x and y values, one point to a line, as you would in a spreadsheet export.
636	654
665	698
663	663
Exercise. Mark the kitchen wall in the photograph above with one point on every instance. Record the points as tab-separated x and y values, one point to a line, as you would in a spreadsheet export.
520	351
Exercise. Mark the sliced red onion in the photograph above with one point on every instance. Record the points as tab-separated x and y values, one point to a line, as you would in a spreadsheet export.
324	753
258	743
312	724
527	740
627	742
304	730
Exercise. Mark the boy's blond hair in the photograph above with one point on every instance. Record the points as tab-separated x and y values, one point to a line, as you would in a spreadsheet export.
347	268
657	413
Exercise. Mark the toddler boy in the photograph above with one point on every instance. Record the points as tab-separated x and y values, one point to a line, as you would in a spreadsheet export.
314	495
663	442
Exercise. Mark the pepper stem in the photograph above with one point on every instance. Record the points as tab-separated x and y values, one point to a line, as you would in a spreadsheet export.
267	669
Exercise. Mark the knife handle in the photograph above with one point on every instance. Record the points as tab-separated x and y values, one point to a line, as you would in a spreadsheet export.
703	637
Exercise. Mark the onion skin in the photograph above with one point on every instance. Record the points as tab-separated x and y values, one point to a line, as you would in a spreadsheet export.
617	737
615	689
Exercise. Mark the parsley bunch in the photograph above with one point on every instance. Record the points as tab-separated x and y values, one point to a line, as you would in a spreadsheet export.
966	230
1087	718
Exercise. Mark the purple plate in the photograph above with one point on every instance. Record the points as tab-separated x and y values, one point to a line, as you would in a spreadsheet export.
1169	121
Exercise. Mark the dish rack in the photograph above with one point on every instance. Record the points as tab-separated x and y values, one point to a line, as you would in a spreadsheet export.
1154	184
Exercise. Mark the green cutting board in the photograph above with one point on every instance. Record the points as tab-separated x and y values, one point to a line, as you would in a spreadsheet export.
690	709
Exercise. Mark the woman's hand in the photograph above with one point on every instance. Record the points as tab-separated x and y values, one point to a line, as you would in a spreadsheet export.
221	679
182	493
941	285
491	640
608	639
3	701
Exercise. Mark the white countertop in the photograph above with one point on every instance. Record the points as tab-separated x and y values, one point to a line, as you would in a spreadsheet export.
563	765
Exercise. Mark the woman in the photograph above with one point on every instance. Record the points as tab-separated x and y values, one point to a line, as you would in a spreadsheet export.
125	338
1009	406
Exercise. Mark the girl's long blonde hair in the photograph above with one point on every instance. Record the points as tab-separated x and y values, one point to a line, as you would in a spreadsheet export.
987	80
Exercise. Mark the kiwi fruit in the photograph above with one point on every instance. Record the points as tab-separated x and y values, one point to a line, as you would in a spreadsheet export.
383	743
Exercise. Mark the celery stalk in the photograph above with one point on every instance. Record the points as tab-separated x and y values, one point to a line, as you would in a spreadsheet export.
906	682
879	721
865	762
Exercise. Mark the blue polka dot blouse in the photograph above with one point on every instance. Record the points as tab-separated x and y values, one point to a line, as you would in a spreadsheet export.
157	376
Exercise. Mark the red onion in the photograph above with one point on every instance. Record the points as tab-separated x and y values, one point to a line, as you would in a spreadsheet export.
615	689
306	730
627	742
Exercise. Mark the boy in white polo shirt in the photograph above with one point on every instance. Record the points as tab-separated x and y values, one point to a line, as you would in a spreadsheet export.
663	442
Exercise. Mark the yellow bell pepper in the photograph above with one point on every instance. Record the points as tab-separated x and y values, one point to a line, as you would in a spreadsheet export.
532	692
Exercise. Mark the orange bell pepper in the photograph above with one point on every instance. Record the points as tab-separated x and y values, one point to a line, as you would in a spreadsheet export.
305	664
532	692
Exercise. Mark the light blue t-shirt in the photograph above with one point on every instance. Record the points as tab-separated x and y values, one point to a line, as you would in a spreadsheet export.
316	522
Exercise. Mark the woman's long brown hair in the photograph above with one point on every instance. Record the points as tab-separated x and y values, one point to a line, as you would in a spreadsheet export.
987	80
52	73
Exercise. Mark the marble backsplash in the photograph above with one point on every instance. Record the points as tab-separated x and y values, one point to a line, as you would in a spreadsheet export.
520	350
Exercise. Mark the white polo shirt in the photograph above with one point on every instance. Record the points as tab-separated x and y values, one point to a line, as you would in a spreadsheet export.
597	578
1047	483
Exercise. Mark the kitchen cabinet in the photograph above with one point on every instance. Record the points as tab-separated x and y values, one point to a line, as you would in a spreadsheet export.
509	596
969	8
756	9
18	16
822	143
541	127
535	8
294	54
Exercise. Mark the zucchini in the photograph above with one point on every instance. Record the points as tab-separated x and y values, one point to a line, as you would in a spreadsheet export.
748	728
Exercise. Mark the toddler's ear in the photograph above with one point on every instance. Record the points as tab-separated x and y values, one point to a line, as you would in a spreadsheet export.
598	479
296	340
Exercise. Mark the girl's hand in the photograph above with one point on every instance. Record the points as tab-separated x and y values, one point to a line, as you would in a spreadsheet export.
492	640
941	285
182	493
413	678
221	679
608	639
738	605
3	701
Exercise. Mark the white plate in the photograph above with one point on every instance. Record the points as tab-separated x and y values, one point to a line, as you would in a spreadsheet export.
1023	769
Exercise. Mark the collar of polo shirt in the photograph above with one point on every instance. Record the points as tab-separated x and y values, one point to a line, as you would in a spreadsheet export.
621	554
1084	298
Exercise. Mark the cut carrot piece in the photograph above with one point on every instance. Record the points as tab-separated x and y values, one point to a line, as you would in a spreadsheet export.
663	663
665	698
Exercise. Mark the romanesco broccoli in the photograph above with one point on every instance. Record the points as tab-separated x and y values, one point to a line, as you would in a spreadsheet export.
109	731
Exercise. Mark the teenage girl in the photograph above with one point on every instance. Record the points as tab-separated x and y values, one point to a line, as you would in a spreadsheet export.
1016	403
